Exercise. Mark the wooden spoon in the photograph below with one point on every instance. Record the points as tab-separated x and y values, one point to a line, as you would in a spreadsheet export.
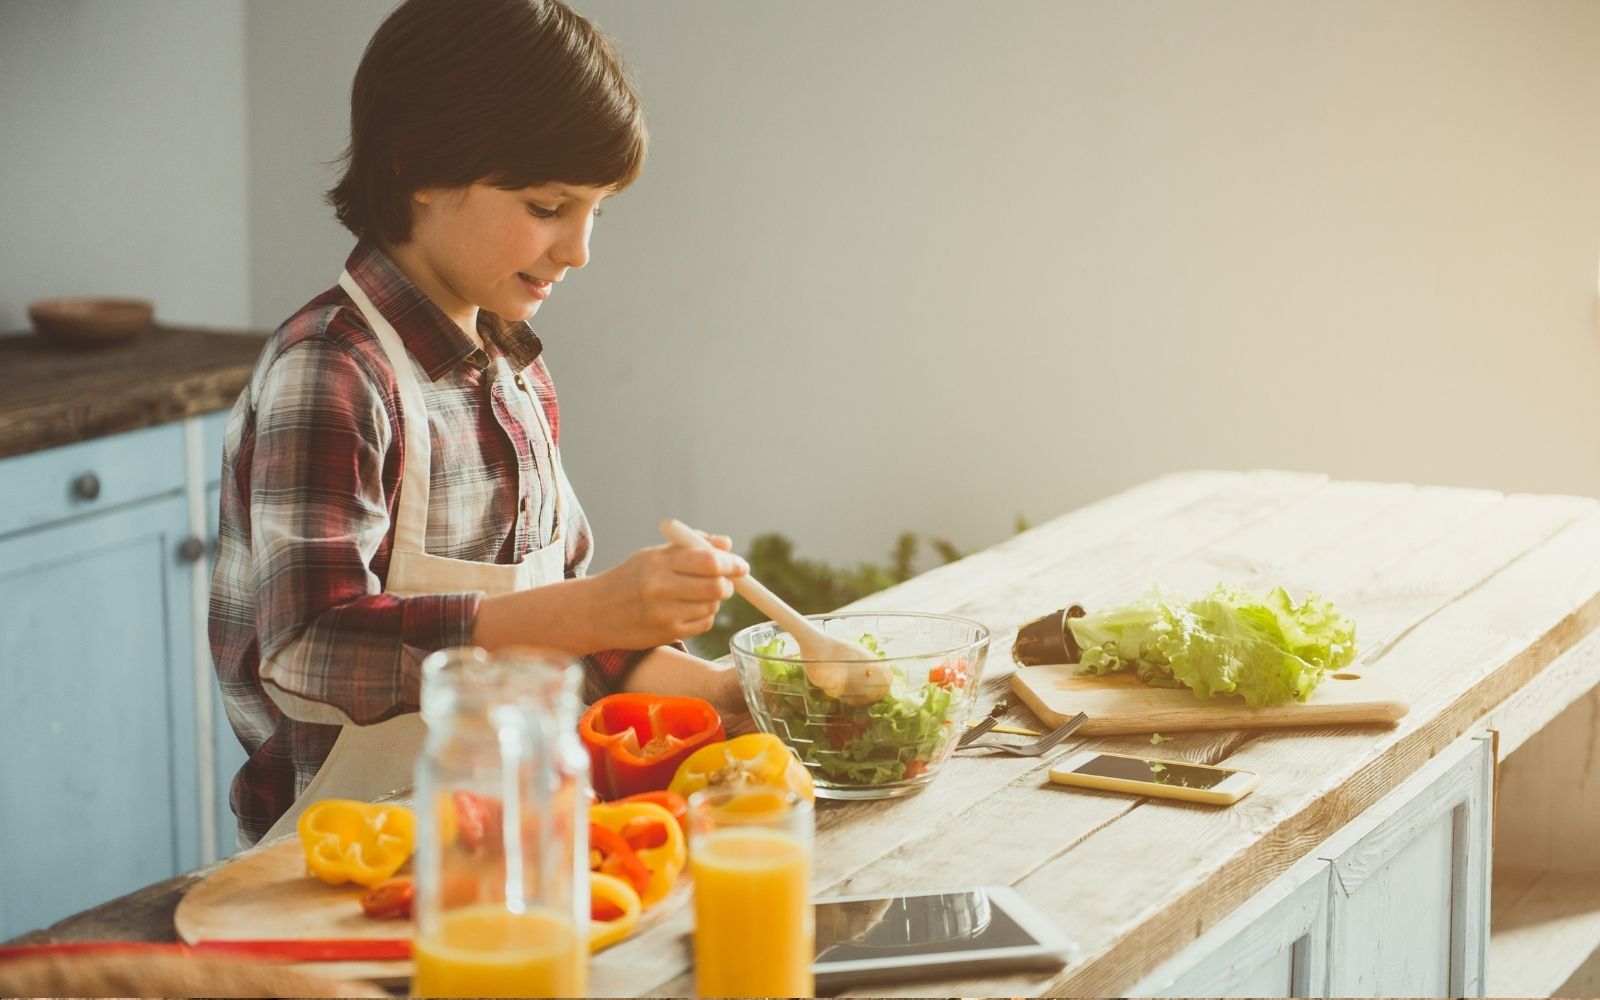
843	670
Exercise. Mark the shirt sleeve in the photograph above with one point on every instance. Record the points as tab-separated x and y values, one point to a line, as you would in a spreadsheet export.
334	648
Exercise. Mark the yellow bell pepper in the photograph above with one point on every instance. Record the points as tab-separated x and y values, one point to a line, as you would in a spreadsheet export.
608	893
651	833
752	760
360	842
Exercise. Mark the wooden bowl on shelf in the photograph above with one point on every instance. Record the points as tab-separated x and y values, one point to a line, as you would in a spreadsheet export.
90	322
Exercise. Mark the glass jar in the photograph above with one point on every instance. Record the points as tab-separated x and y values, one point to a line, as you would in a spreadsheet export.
502	905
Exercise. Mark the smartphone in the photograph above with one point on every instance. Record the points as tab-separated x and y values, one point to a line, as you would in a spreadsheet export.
936	933
1169	779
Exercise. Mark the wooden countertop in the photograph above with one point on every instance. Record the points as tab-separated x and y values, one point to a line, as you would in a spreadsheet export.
1472	603
52	396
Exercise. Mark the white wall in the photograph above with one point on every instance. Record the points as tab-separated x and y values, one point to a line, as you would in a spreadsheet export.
122	162
980	262
965	261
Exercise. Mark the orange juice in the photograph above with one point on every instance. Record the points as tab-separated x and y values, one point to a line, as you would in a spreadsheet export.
487	951
753	929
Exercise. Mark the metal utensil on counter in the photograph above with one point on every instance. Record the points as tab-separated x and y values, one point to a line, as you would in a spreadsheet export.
984	724
1036	747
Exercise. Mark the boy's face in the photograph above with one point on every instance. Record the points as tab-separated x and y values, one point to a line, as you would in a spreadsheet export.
501	250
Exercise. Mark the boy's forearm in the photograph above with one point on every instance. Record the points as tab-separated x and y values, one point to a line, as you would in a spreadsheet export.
666	670
557	615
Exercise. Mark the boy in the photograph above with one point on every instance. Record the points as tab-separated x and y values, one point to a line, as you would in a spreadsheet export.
392	477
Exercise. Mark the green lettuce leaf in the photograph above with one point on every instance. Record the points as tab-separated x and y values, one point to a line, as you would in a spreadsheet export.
1263	647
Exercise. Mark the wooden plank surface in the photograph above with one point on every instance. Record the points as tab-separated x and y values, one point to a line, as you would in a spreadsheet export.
51	396
1460	597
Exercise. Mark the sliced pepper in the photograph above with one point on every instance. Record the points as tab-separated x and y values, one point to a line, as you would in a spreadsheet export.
613	910
610	854
349	841
671	801
751	760
657	844
637	741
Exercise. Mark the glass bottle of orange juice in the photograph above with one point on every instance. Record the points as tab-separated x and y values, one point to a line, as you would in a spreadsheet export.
502	905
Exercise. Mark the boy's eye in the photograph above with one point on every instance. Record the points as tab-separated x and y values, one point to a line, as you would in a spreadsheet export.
540	212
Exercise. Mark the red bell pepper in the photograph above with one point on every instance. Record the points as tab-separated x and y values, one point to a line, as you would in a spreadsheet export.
637	741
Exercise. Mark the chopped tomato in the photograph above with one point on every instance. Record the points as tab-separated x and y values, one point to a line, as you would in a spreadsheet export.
949	675
915	768
389	899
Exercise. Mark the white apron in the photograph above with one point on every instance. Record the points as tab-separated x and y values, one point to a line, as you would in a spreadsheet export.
367	762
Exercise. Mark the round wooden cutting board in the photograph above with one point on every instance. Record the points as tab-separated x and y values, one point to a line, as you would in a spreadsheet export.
265	893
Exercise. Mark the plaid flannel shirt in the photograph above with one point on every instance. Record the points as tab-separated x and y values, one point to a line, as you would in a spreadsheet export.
302	635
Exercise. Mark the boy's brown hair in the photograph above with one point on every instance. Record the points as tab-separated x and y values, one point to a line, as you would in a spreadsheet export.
513	93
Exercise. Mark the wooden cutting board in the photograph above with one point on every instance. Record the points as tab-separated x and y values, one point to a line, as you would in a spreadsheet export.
1121	703
266	893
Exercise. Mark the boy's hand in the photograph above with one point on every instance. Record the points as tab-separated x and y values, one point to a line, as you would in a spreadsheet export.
665	592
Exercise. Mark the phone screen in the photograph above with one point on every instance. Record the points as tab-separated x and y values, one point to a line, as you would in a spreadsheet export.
912	926
1154	771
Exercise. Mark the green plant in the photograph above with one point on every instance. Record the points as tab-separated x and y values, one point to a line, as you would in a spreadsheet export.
812	587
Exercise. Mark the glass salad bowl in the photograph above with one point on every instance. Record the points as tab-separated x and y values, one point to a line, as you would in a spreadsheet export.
887	747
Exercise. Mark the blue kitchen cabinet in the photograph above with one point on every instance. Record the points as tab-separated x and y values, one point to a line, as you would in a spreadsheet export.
97	679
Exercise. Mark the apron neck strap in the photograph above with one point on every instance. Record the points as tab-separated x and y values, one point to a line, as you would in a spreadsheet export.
411	513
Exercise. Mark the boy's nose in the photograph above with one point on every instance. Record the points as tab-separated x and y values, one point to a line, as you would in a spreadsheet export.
573	249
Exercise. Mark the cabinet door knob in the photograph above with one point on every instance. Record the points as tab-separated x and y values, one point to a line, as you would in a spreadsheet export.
191	549
86	486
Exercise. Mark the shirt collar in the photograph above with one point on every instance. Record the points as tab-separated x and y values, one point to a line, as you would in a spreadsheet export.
431	337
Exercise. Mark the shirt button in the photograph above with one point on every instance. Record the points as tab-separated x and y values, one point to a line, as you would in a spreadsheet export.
522	383
524	505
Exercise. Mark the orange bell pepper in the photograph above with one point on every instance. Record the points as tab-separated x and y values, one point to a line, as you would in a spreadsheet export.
613	910
656	842
360	842
754	759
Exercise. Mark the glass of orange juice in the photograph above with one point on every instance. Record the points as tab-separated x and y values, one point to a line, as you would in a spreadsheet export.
750	855
502	902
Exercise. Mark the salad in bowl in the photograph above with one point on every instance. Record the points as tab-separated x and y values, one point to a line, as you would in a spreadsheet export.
889	746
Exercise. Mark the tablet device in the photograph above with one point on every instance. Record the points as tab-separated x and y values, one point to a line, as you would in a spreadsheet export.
932	934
